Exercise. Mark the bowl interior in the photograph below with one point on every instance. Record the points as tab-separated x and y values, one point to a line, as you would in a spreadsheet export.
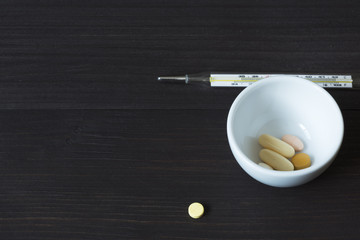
287	105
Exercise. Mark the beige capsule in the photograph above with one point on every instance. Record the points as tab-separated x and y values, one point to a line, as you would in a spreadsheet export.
275	160
264	165
277	145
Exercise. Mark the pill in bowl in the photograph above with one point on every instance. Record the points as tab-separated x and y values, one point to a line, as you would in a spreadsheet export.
277	145
293	141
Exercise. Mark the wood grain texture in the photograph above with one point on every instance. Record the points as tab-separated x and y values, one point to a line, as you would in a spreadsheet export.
93	147
108	54
109	174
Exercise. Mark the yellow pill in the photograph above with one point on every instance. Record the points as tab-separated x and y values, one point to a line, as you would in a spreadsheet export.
277	145
275	160
301	161
264	165
196	210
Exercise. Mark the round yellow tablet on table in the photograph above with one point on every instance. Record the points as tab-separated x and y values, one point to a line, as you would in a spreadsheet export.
196	210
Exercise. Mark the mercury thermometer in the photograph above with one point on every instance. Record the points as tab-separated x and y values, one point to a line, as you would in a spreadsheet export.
244	80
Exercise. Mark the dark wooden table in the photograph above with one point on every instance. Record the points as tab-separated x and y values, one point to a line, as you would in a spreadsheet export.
93	147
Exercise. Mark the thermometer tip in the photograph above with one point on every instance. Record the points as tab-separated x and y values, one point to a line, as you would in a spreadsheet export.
172	79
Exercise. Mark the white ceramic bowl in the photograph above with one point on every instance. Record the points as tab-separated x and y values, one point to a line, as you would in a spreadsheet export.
285	105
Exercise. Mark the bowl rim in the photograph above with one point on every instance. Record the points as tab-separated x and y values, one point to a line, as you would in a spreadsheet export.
241	157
